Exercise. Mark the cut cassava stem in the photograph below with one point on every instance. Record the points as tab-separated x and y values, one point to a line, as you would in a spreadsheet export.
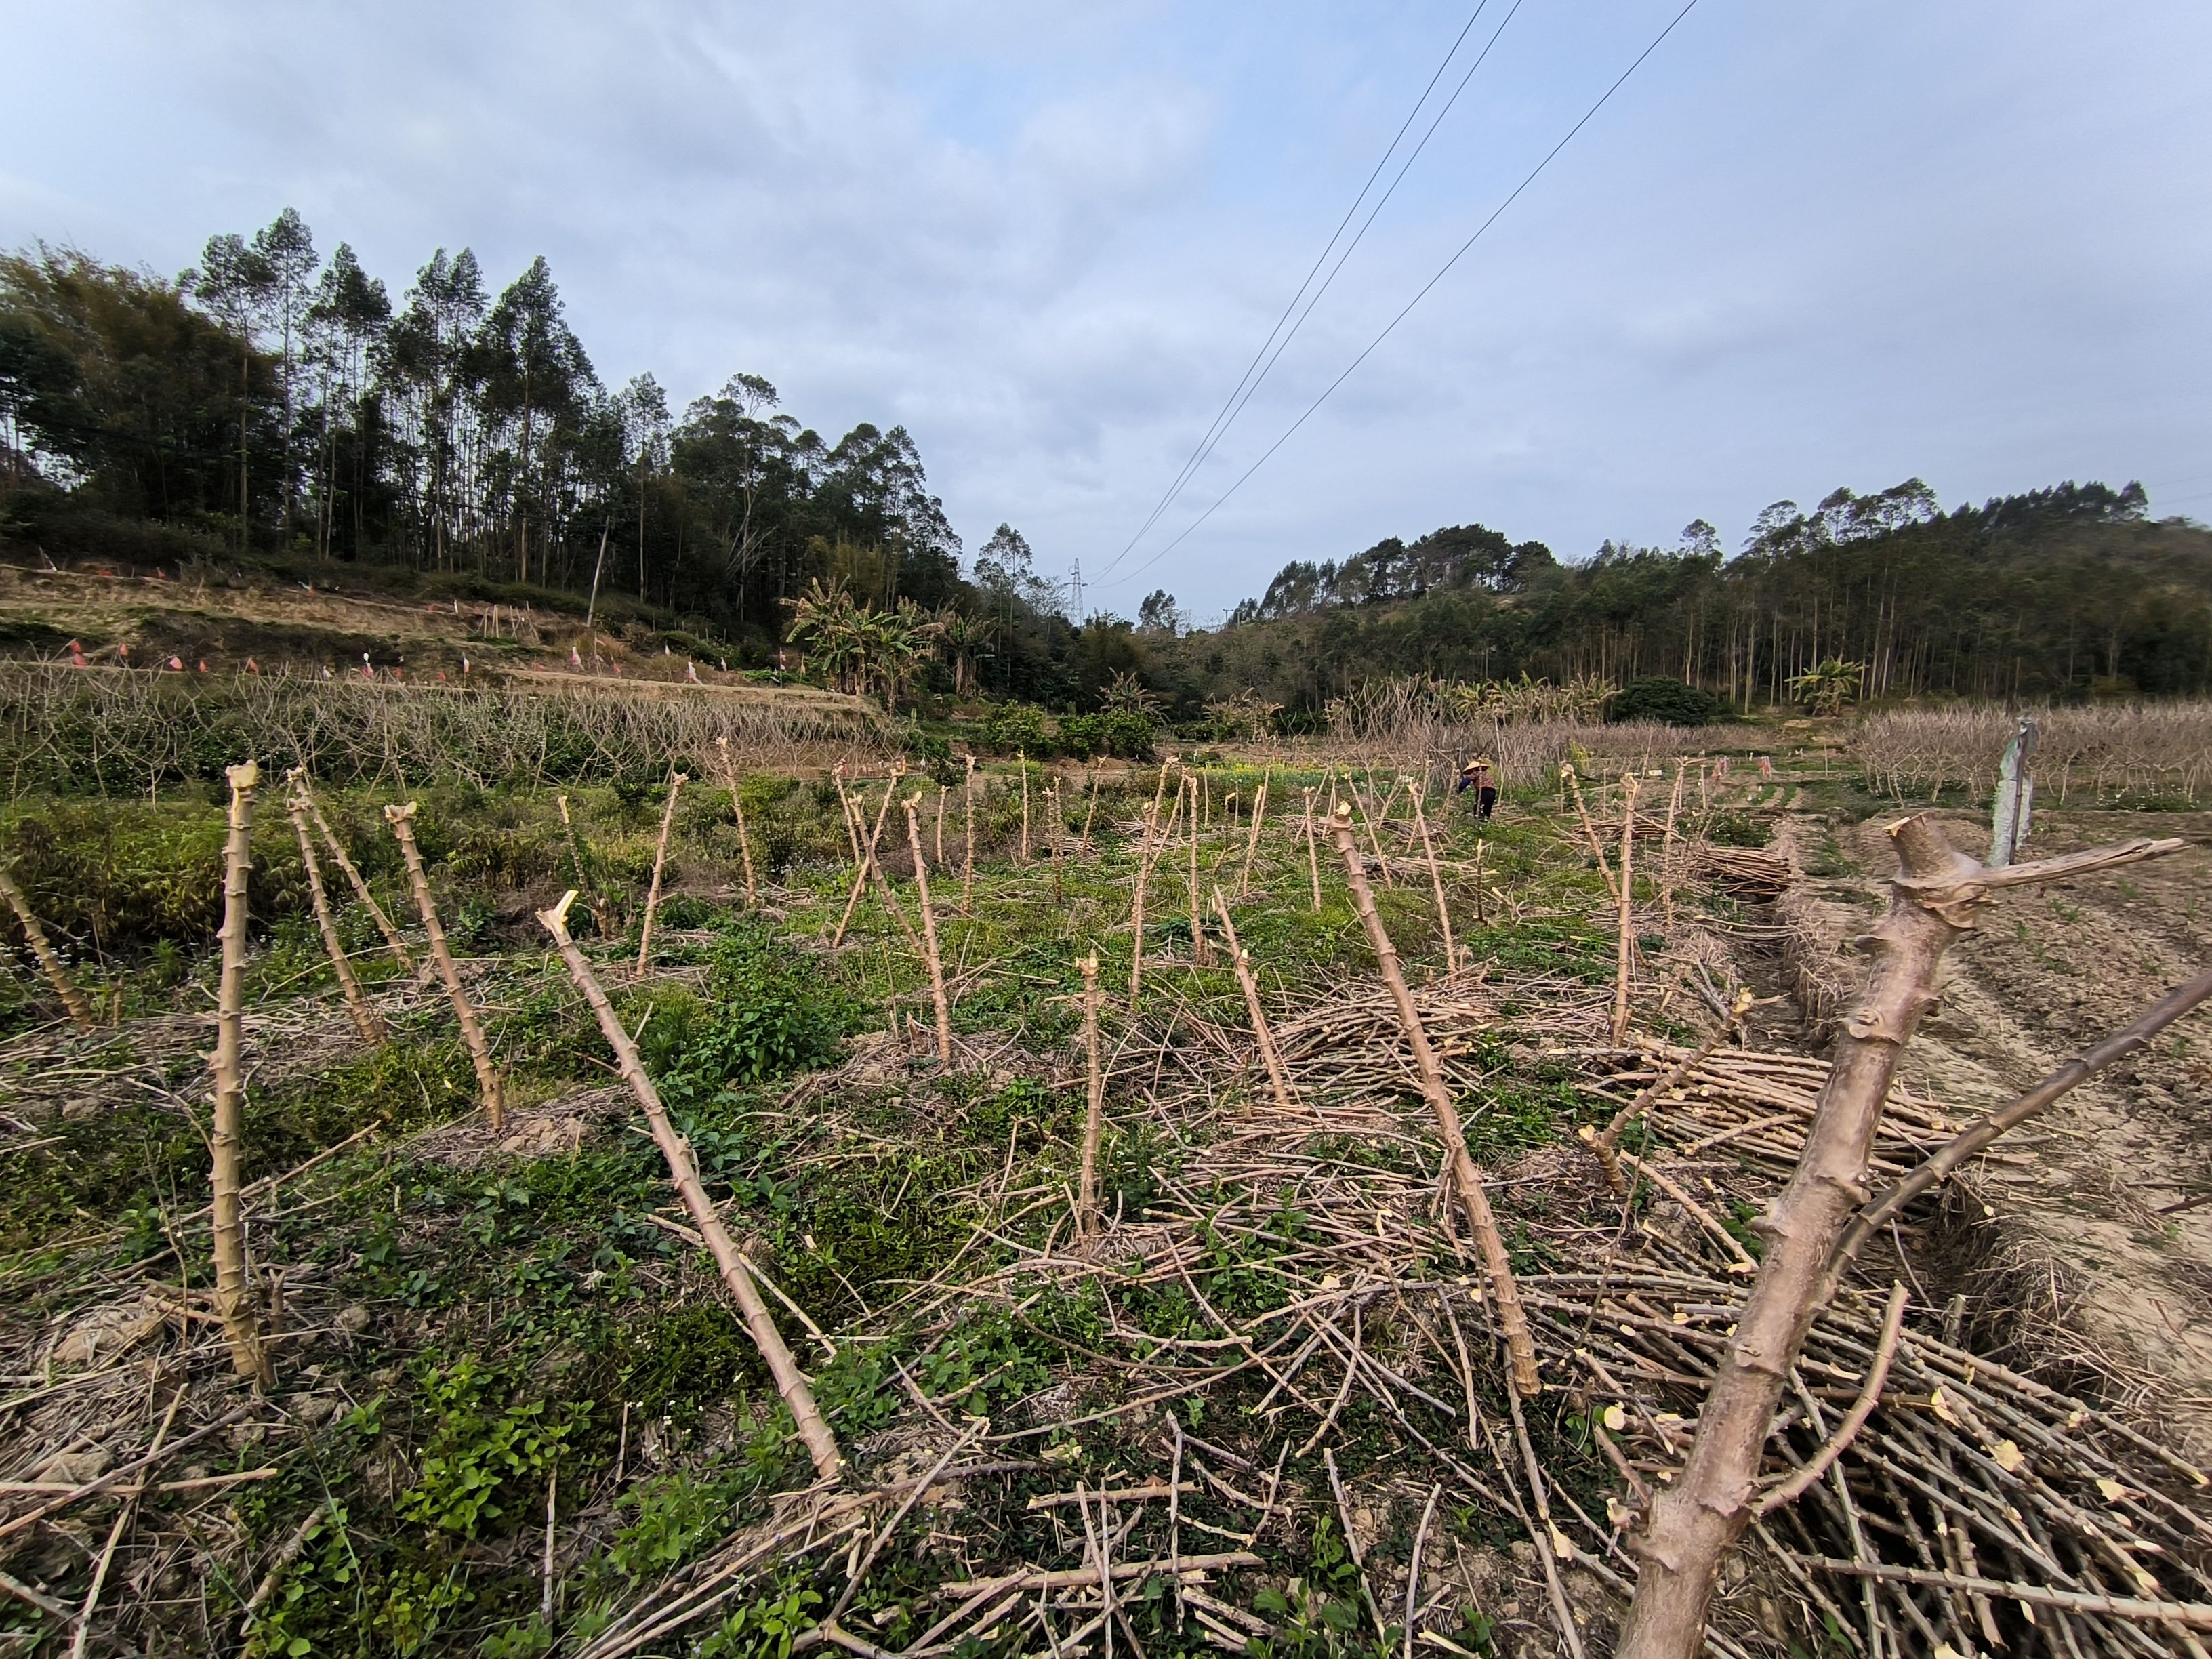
79	1010
1201	952
1436	885
1604	1144
1022	760
1252	840
392	942
1313	859
1625	946
968	868
1512	1320
234	1292
1276	1078
929	932
676	781
1667	846
1092	812
1157	838
1086	1208
1695	1522
1590	832
402	819
366	1019
864	864
600	915
790	1382
744	836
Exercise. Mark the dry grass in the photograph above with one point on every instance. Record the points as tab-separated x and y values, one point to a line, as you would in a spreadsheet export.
2138	751
127	731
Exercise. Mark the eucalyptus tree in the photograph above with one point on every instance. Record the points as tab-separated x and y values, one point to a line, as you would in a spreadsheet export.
284	249
535	375
348	316
231	285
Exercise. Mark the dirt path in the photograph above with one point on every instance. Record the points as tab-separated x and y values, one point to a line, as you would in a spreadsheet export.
2075	1265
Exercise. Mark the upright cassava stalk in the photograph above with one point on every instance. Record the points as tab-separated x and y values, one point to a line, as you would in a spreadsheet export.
234	1292
1252	840
943	791
852	813
366	1019
1512	1320
745	837
929	932
1436	885
967	869
79	1010
863	865
676	781
1091	813
1086	1205
402	819
1313	859
1696	1520
1590	831
392	942
1624	947
1156	839
1666	845
1373	840
600	915
1022	760
684	1170
1278	1079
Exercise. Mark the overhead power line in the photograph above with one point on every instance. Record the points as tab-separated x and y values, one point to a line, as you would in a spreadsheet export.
1421	293
1227	412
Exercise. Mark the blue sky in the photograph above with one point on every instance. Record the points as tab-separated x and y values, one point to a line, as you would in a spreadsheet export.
1804	246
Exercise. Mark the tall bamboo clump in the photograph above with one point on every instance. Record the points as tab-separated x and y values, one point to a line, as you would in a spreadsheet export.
234	1293
366	1019
943	1008
676	781
79	1010
1512	1319
684	1170
1696	1521
402	819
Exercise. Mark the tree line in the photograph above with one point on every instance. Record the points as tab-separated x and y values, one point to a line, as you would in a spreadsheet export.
288	404
2059	591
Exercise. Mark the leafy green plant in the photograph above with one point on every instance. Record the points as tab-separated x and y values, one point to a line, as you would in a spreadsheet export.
477	1448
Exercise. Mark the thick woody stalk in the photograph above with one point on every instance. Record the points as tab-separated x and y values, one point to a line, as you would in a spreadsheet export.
402	819
1278	1079
1313	859
852	813
943	792
1512	1320
80	1010
1090	812
1624	947
1481	918
392	942
1022	760
1697	1520
745	837
576	862
1252	840
929	932
1436	885
366	1019
676	781
1086	1207
684	1170
1056	833
1373	840
234	1293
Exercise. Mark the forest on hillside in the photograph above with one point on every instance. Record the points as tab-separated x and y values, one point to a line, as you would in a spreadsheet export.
271	406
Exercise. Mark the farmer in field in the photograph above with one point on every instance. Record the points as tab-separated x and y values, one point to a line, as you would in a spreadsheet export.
1476	775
